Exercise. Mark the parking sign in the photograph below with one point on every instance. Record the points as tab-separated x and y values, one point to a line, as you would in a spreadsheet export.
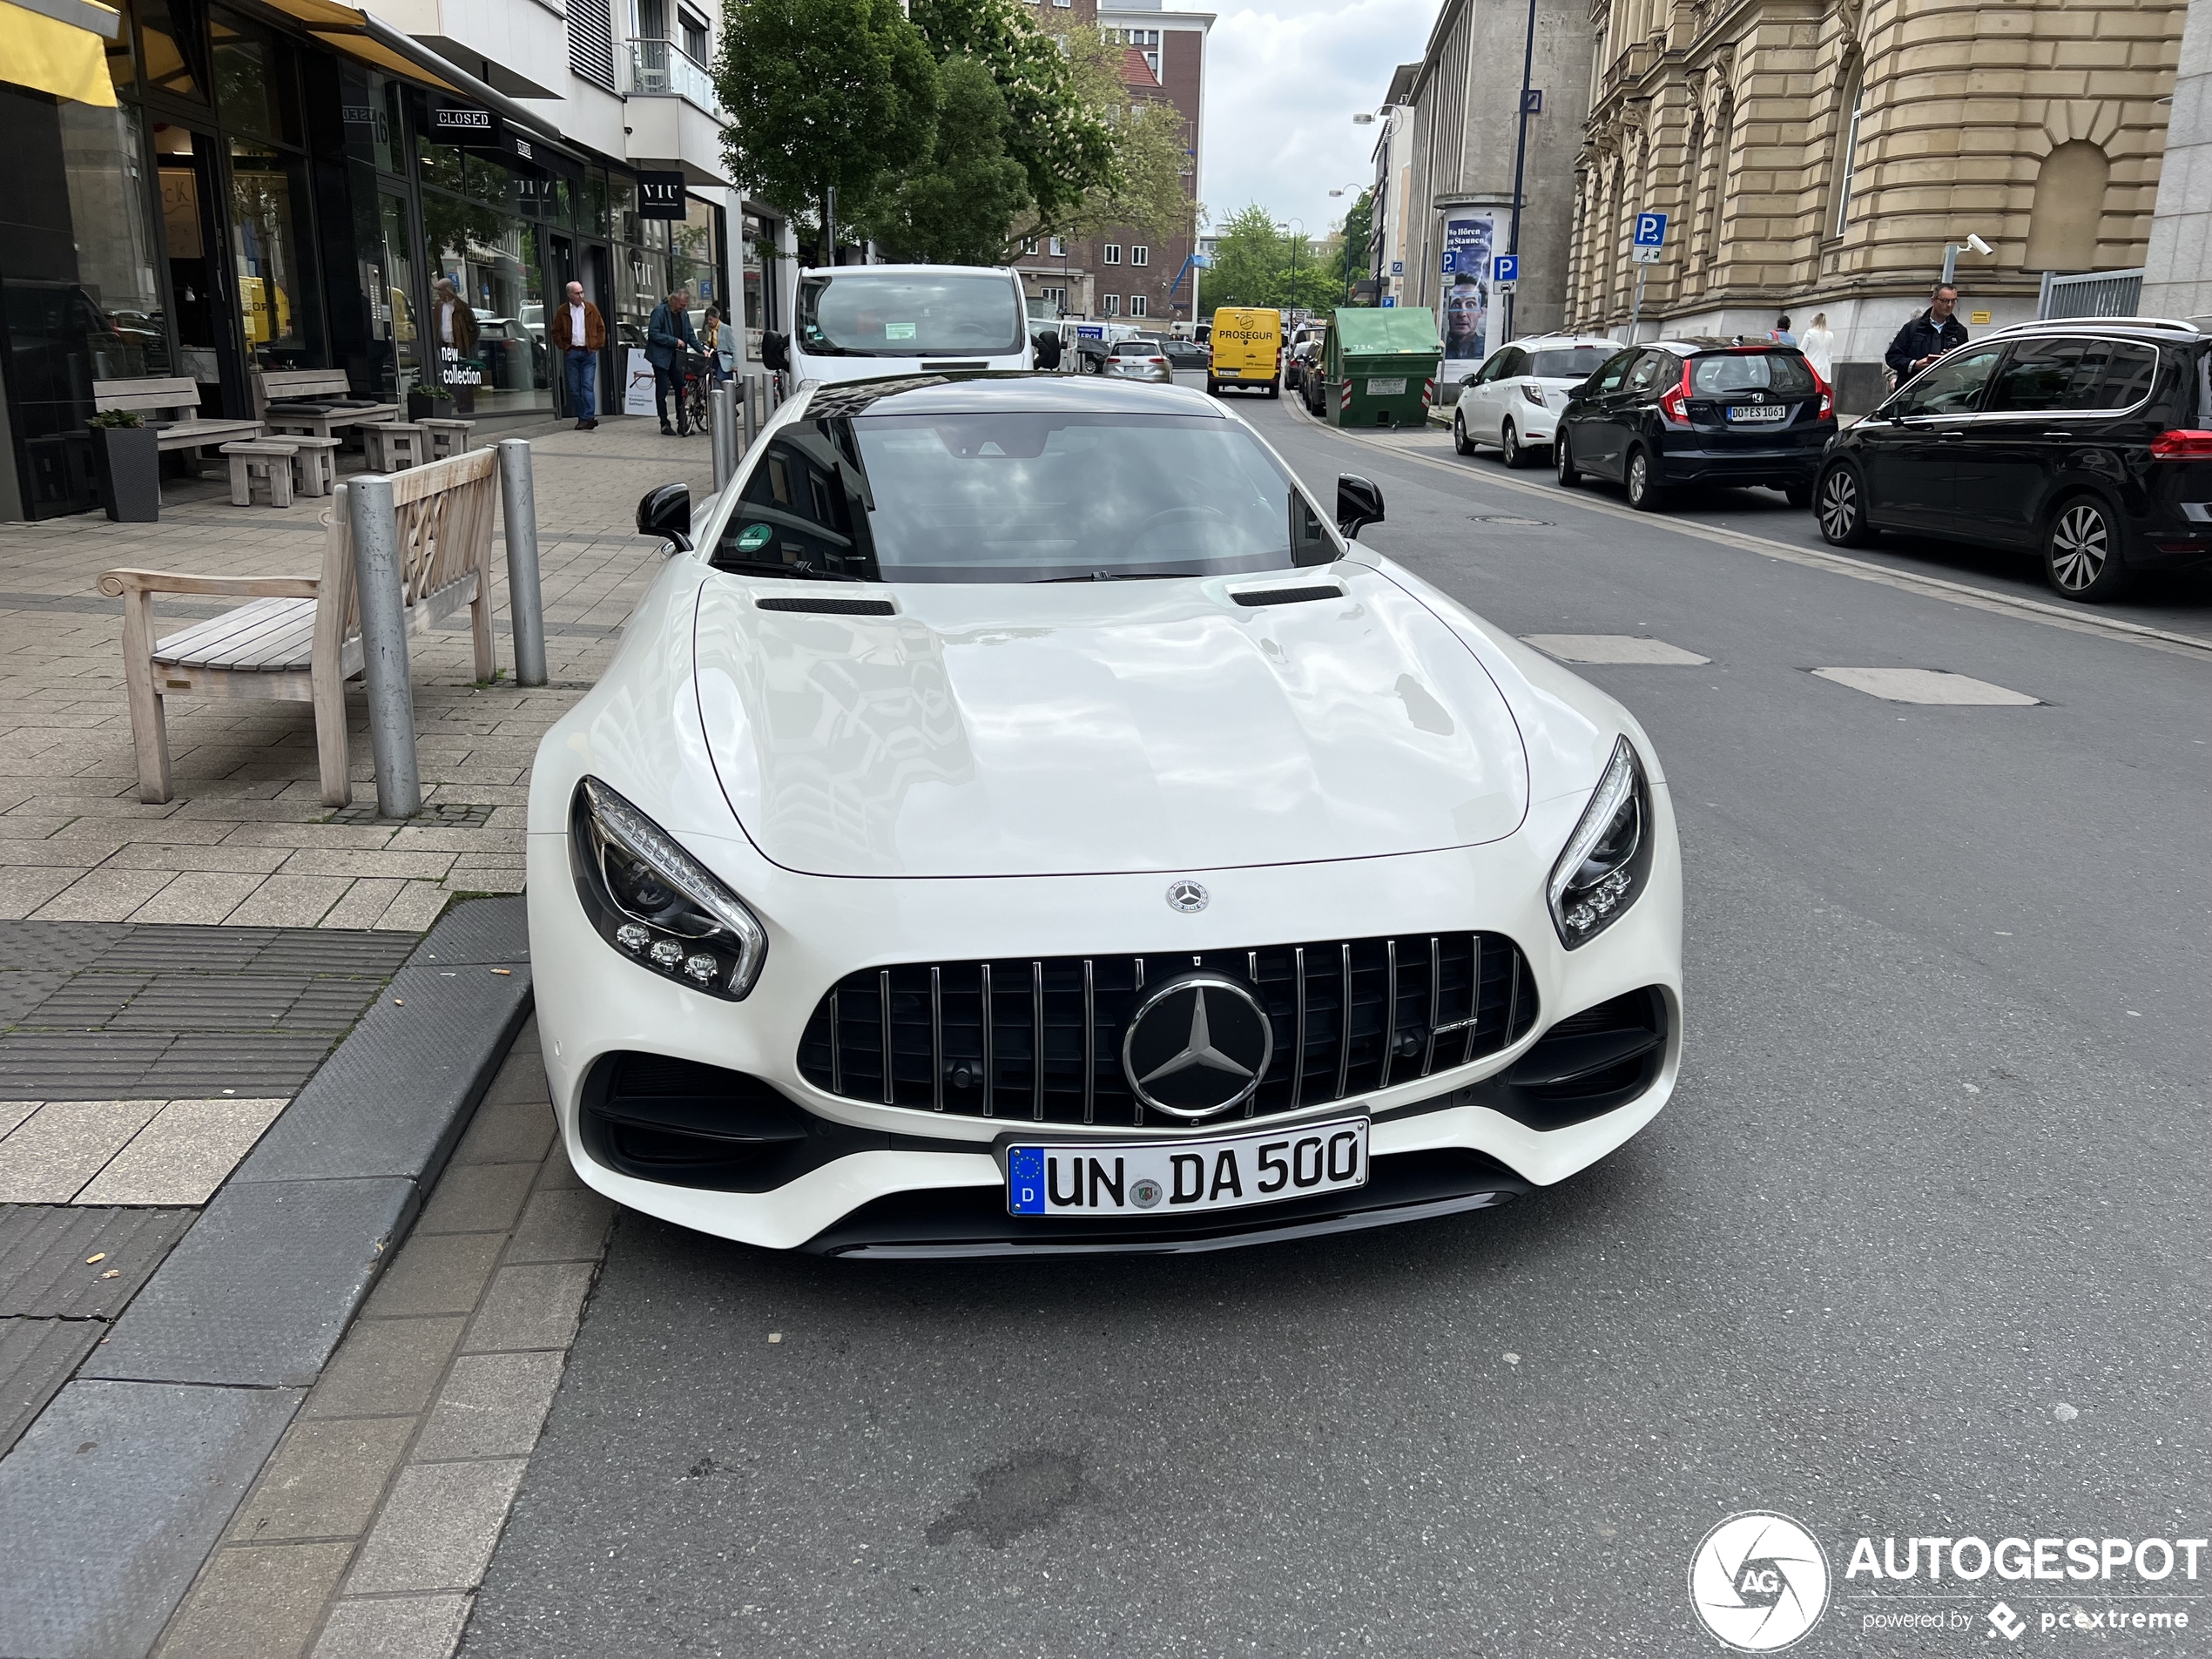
1651	230
1505	269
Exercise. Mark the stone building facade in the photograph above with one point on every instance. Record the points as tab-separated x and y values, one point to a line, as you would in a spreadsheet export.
1816	156
2177	273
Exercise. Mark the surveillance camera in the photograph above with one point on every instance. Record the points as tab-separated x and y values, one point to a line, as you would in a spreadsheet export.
1978	246
1363	120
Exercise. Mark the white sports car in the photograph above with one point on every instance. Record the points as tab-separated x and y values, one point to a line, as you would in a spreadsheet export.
1023	822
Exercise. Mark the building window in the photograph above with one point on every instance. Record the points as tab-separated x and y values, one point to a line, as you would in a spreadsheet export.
1111	253
1140	255
1109	305
1029	244
1136	304
694	37
1059	247
1054	297
1847	158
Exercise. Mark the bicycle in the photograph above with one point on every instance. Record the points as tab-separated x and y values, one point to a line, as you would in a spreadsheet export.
698	384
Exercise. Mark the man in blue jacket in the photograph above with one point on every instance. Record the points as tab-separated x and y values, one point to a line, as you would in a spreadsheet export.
668	337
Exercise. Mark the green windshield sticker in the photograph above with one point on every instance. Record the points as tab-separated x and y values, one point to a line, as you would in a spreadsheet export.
898	331
753	537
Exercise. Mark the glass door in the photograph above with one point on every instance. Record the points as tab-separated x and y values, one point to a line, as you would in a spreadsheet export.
402	336
200	287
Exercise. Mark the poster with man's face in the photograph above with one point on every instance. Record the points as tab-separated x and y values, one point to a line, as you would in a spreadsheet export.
1468	237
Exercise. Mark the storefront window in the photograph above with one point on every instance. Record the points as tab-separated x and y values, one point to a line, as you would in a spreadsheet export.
490	181
496	262
691	262
163	41
126	331
372	117
442	166
245	98
641	280
622	206
264	244
594	222
756	257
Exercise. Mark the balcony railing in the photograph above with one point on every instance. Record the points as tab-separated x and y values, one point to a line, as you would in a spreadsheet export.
662	69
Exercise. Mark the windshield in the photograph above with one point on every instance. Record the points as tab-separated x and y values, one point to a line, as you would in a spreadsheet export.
1019	497
865	314
1749	371
1569	363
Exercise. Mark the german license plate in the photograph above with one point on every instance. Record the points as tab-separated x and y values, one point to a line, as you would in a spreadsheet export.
1386	389
1180	1177
1759	412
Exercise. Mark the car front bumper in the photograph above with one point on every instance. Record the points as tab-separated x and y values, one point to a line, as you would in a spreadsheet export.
919	1183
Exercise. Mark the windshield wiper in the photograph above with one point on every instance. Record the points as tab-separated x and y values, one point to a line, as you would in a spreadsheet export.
769	567
1122	576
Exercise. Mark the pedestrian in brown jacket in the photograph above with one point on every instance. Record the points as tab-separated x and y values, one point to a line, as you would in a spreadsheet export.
580	336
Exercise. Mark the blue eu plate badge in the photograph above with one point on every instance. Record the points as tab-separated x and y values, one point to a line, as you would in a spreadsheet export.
1025	1180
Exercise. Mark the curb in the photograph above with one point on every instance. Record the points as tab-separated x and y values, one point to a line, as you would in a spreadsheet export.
112	1499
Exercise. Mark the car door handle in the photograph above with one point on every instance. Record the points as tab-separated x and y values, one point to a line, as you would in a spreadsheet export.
2062	436
1953	436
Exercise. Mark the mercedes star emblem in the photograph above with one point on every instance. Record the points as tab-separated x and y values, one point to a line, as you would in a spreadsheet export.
1197	1045
1187	896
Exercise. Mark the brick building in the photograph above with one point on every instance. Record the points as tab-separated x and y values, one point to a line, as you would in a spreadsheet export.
1819	155
1123	272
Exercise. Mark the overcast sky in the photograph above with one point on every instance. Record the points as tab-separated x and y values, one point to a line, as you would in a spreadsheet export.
1283	82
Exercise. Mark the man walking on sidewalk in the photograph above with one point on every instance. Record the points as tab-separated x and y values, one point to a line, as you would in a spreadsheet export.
580	336
668	336
1935	333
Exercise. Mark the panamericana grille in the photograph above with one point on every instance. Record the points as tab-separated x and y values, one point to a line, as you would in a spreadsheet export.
1041	1040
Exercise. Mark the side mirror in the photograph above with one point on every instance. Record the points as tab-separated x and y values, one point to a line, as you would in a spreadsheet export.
1048	351
1465	381
665	512
1358	503
775	351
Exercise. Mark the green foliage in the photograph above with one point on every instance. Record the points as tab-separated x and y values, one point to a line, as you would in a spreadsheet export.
957	209
1143	186
1254	265
117	417
824	95
1065	147
1358	232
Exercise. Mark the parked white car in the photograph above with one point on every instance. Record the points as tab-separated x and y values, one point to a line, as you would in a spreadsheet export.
1513	401
1021	819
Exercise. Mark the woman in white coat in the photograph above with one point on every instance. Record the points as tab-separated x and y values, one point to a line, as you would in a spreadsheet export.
1819	348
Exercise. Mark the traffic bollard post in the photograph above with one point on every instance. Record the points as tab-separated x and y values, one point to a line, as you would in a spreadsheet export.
377	576
525	600
725	433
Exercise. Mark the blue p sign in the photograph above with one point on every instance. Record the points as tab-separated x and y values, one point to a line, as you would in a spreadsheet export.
1651	230
1505	268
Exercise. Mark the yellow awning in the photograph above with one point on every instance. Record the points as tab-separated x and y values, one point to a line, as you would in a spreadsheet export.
344	29
50	55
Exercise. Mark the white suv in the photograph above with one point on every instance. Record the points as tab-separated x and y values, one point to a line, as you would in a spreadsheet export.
1514	399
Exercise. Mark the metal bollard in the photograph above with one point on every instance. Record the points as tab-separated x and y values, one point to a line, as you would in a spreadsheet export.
723	430
751	396
384	666
525	600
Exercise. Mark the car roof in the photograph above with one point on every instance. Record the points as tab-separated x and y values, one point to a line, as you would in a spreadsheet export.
2172	330
1693	345
1527	342
999	271
1009	392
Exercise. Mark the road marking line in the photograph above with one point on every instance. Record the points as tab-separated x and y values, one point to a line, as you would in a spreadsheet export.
1957	593
1931	685
1614	648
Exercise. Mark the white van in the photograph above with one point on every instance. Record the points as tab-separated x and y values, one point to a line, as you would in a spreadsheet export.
862	321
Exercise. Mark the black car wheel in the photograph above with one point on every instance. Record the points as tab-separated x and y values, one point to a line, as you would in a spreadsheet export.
1563	461
1645	494
1462	444
1509	449
1842	508
2081	553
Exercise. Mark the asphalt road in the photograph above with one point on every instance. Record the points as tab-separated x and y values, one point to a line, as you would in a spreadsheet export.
1919	1249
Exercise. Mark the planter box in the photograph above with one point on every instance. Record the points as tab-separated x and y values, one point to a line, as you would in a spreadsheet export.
127	461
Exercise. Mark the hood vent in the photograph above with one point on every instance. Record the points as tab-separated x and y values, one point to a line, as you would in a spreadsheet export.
826	606
1286	595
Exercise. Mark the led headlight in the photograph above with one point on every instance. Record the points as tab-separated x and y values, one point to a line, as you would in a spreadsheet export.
656	904
1607	862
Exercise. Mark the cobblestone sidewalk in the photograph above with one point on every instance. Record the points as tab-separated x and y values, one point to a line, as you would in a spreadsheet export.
248	840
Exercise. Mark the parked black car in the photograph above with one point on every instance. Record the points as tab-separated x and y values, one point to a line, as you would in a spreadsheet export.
2088	441
1698	411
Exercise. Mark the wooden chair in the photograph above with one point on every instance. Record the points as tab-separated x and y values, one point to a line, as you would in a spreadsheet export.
316	402
315	467
172	407
269	459
447	437
297	639
394	445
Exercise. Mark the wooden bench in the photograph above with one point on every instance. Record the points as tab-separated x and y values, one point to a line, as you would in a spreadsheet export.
314	400
269	459
176	398
297	639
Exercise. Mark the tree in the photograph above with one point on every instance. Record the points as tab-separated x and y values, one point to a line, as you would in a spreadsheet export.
1359	233
1142	187
1065	146
957	207
823	94
1253	266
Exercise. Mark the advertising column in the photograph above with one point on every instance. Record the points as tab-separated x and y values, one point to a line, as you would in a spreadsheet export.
1470	234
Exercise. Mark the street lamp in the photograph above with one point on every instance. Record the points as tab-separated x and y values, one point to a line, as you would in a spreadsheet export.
1301	237
1520	159
1347	240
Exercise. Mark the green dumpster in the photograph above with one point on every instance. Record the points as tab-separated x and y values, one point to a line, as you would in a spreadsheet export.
1380	367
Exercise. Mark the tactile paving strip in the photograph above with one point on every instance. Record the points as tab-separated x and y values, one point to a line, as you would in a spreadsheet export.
47	1270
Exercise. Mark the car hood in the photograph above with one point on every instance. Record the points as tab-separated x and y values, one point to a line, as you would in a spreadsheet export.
1074	728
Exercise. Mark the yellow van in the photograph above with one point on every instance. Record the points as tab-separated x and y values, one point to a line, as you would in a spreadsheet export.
1247	349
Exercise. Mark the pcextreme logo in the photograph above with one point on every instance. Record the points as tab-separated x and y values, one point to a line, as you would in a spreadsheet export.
1759	1581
